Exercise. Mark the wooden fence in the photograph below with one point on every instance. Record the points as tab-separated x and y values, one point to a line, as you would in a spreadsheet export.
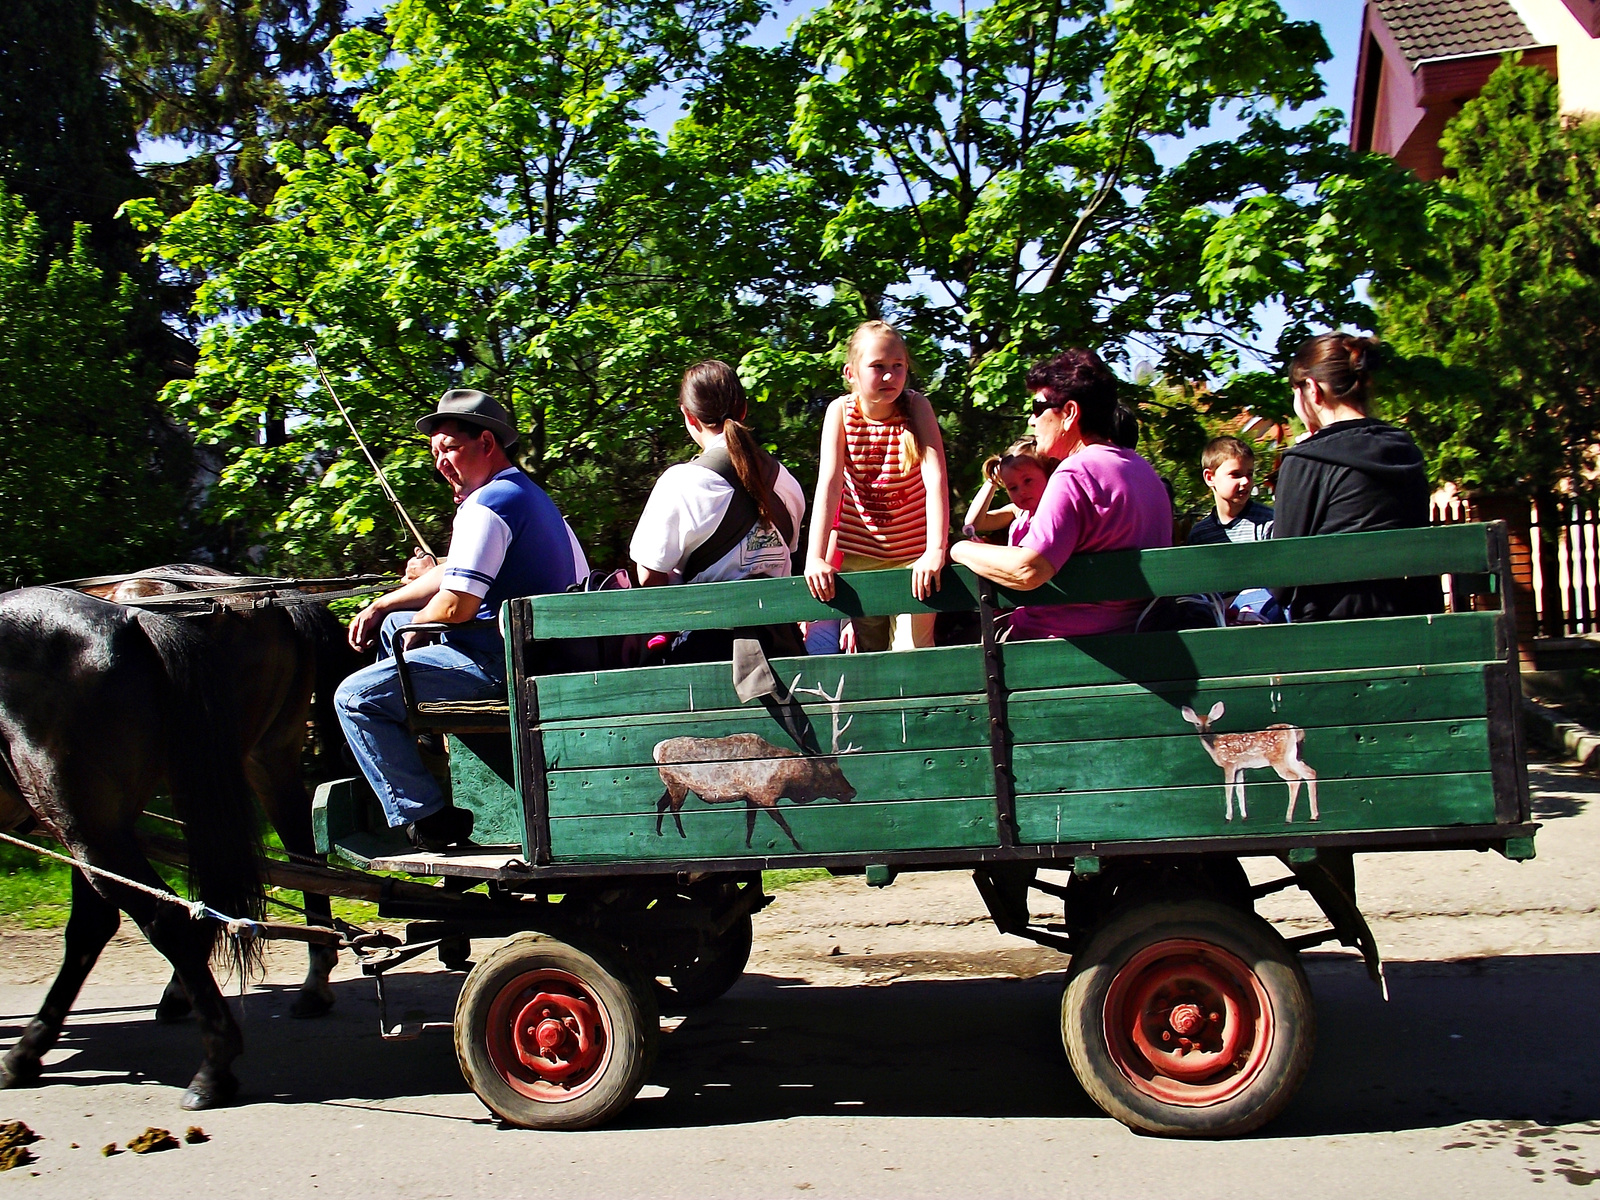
1574	608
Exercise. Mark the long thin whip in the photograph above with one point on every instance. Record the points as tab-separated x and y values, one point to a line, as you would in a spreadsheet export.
383	480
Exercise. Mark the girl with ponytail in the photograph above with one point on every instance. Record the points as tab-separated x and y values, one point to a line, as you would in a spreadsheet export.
733	512
1351	473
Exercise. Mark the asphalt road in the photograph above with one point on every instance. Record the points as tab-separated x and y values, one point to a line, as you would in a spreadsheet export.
922	1059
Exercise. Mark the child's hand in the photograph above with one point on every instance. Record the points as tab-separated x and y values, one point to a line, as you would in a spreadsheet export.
847	637
819	578
925	573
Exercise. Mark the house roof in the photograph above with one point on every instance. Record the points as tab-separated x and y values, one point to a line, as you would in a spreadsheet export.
1444	28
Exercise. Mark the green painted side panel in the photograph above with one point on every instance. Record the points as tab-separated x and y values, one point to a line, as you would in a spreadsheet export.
342	808
1251	702
873	725
707	687
825	827
483	780
1290	649
1336	752
1125	574
1188	812
901	777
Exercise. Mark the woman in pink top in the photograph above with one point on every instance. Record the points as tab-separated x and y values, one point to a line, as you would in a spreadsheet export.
1103	496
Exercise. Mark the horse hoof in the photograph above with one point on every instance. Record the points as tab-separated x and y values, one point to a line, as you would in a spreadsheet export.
173	1010
309	1004
209	1092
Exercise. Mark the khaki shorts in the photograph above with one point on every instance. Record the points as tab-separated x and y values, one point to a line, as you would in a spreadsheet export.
903	631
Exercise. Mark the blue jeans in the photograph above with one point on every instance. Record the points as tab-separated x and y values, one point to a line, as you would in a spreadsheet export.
468	665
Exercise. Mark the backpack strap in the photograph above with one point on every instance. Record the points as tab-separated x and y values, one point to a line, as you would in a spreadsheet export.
741	517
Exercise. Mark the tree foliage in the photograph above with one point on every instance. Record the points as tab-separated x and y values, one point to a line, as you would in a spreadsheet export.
1510	309
225	81
1002	181
91	480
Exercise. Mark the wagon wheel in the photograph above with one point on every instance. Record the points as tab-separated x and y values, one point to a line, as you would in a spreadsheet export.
551	1036
716	968
1188	1018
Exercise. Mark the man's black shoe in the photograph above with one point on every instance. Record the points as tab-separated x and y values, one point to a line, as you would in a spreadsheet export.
437	832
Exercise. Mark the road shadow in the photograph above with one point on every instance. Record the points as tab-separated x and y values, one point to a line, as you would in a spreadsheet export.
1490	1040
1560	791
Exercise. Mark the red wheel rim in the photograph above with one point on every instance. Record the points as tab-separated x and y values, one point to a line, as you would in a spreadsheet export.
1188	1023
548	1035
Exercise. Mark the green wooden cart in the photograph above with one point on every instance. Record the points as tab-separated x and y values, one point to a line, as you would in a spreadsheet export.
624	816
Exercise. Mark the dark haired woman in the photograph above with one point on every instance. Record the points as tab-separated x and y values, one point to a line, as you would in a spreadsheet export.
1353	474
1102	496
733	512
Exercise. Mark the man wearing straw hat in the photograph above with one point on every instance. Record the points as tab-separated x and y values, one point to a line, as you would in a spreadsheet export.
508	540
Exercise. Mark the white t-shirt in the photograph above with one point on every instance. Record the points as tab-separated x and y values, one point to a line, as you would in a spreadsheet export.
684	510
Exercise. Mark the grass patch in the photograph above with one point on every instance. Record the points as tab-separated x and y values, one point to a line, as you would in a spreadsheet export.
773	881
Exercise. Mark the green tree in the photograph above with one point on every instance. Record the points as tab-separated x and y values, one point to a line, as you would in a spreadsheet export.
1506	322
504	219
224	81
1031	174
86	482
1513	294
992	179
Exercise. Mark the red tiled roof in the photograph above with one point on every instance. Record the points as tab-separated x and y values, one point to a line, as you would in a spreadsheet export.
1442	28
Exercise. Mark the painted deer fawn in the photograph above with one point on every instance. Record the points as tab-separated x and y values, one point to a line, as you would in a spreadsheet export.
1276	746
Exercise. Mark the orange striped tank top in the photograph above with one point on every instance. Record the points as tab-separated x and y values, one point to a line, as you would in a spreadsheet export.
883	510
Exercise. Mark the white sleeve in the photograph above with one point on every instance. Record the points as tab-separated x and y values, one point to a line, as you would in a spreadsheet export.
685	507
478	543
580	564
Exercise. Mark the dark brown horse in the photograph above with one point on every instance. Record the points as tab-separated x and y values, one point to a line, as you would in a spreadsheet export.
101	706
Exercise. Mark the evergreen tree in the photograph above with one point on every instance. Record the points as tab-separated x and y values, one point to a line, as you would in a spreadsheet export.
89	480
1512	298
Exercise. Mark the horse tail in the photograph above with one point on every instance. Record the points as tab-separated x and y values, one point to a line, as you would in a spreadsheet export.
325	635
206	774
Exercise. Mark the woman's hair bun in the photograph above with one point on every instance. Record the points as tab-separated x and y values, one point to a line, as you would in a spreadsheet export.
1366	354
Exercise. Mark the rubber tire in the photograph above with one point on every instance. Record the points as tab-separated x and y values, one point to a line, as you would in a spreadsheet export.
719	966
1243	934
611	981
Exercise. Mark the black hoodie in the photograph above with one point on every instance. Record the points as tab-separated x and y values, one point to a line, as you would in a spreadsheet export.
1353	477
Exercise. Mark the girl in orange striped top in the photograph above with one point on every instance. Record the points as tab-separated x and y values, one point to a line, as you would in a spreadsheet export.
882	478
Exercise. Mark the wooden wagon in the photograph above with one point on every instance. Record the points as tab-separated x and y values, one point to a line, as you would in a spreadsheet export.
624	816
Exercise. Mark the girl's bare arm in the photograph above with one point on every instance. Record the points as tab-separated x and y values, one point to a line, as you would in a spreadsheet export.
985	519
936	483
825	506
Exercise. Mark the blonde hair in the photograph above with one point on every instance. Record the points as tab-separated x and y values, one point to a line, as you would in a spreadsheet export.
910	446
1023	450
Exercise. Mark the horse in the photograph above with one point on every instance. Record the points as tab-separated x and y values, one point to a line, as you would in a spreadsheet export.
273	765
101	705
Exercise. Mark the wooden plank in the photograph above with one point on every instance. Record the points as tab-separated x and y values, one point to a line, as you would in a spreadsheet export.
899	777
1121	575
483	781
1311	701
822	828
873	726
1146	814
1337	752
1288	649
708	687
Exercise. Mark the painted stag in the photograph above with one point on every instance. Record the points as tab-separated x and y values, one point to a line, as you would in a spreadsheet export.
1276	746
746	767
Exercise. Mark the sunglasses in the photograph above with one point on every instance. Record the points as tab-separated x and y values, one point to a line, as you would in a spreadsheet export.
1041	404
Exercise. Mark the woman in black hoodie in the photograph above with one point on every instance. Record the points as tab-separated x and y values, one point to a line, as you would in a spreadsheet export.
1353	474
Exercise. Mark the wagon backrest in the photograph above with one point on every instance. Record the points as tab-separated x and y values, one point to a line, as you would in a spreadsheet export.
1463	550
